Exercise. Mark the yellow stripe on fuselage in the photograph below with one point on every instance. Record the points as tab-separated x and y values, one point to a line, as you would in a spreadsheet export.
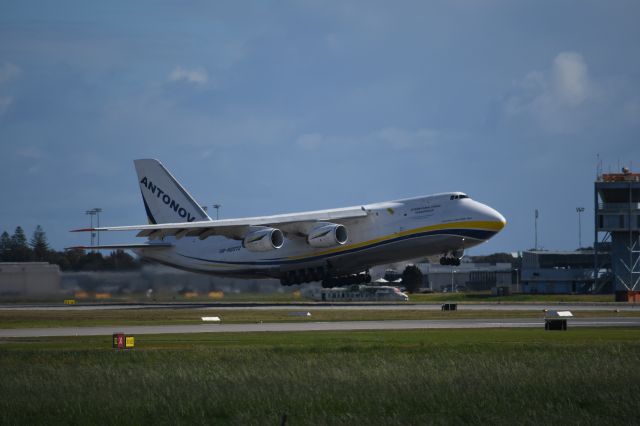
482	225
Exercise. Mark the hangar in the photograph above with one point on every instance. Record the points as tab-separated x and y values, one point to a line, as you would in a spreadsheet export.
29	278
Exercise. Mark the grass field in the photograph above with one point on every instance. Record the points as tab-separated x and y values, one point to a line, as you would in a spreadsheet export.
89	318
582	376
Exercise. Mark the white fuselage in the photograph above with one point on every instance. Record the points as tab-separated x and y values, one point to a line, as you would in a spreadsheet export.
390	232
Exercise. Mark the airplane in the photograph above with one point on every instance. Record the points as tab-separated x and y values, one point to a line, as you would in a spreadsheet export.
332	246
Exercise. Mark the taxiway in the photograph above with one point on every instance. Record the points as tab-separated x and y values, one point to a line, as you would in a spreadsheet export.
314	326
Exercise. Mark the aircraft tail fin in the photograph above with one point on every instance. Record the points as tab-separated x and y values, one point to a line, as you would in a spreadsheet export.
165	200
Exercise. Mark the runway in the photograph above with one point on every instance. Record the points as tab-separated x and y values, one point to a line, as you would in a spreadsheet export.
314	326
534	307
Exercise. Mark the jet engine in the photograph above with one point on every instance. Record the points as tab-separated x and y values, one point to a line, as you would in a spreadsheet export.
327	235
264	239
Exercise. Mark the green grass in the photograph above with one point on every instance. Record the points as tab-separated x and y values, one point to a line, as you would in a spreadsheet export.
401	377
121	317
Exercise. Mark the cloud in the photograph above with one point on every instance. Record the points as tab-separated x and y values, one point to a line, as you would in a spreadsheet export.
402	138
559	100
570	80
8	71
5	102
631	112
310	141
31	153
386	137
195	76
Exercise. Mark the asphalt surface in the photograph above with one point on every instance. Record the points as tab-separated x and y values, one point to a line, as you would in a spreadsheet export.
314	326
315	306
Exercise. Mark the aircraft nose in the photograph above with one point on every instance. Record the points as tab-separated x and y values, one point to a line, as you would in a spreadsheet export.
499	218
488	214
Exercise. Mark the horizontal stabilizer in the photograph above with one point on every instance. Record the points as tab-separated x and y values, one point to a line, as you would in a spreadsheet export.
122	247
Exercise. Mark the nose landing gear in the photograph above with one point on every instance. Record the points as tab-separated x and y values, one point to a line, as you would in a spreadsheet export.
452	258
451	261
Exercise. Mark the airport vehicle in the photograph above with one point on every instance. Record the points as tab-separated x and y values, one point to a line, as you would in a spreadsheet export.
332	246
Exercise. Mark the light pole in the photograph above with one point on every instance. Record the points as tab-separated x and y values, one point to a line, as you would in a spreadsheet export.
91	213
536	230
579	210
217	207
98	210
452	272
517	281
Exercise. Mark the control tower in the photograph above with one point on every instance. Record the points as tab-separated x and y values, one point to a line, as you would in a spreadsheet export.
617	218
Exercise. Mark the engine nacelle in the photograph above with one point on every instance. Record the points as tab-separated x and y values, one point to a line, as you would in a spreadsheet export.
263	240
327	235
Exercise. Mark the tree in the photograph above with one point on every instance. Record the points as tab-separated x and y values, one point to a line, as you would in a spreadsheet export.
119	260
39	244
20	251
71	260
498	258
5	247
92	261
412	278
59	258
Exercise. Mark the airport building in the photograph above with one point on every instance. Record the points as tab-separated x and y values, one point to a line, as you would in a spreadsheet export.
617	226
28	278
557	271
161	280
468	276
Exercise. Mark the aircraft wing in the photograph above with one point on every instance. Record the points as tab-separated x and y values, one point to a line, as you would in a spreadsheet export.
121	246
237	228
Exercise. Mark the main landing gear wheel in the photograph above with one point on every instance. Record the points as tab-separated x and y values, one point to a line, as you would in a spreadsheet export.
301	276
330	282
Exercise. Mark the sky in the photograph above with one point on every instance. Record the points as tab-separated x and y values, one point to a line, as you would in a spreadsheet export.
284	106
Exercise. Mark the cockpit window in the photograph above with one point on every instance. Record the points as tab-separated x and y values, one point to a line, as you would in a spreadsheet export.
458	197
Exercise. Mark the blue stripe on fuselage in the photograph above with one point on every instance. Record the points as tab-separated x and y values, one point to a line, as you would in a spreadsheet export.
470	233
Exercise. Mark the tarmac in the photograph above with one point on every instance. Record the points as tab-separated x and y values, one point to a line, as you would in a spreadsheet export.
314	326
534	307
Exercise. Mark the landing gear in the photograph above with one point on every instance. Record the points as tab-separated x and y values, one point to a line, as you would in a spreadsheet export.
451	261
301	276
452	258
354	279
